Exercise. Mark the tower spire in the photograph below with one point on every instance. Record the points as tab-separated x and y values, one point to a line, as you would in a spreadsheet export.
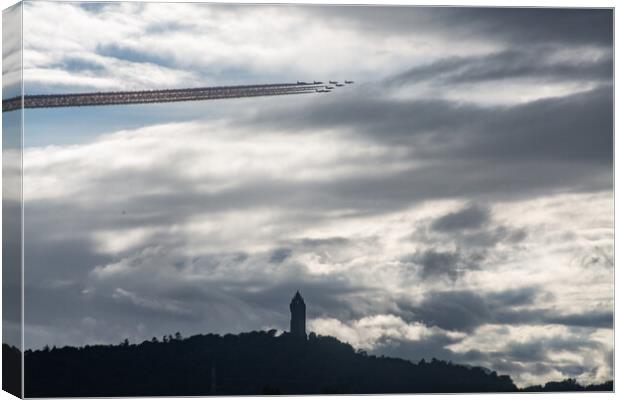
298	316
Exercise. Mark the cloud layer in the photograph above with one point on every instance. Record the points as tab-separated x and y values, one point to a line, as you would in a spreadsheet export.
456	202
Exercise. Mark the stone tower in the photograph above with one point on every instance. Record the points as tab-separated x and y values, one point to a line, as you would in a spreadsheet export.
298	317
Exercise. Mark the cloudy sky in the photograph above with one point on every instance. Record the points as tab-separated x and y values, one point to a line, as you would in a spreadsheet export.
456	202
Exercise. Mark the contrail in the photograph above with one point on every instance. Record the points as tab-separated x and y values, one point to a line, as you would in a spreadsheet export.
160	96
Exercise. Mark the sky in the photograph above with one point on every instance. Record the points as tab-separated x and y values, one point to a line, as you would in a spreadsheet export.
455	202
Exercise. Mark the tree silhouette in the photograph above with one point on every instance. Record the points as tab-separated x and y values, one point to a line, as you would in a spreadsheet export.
249	364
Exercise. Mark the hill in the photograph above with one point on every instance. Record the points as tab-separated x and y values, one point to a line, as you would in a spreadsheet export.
244	364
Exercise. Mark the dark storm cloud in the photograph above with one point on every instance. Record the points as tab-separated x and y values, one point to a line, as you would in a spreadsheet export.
470	227
333	297
369	112
47	304
71	259
516	297
529	357
467	310
531	351
94	7
455	310
433	346
600	319
434	265
488	238
590	319
599	257
511	26
539	25
471	235
575	127
470	217
515	358
279	255
464	150
322	242
504	66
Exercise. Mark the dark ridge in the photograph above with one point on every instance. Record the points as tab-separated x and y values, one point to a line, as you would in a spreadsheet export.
11	370
246	364
571	385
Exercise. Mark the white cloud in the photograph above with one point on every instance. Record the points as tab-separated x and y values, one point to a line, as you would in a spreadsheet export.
555	346
504	92
144	46
152	304
221	157
365	333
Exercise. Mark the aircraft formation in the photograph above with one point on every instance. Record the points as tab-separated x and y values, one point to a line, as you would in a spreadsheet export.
326	88
167	95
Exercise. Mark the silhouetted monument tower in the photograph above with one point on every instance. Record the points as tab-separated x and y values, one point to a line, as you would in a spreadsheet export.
298	317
